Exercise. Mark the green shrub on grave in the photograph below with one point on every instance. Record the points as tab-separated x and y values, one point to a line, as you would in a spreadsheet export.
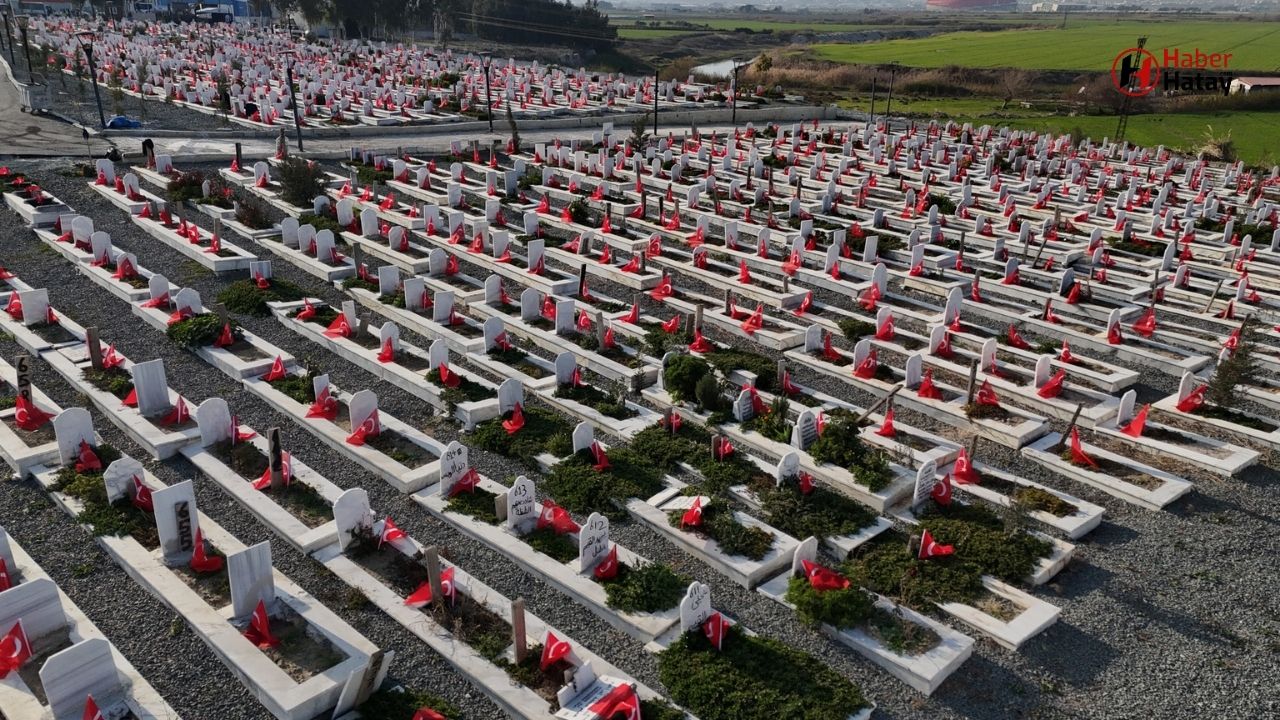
734	538
543	431
844	608
754	678
402	704
200	331
301	181
649	588
578	487
681	376
765	370
244	296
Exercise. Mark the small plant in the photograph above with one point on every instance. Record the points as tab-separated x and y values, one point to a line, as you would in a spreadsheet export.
300	181
186	186
649	588
682	374
244	296
846	608
199	331
252	213
1238	368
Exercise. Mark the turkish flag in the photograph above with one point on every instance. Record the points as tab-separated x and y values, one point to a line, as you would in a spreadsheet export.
1078	455
5	581
111	358
886	428
388	352
178	415
157	302
607	569
557	518
201	561
390	533
929	548
142	495
14	649
621	701
1016	340
1053	387
1138	423
823	579
286	473
339	327
28	416
259	630
91	711
599	457
941	492
885	331
927	389
87	460
693	516
226	338
986	395
426	713
307	312
716	628
513	424
1146	325
367	430
1193	400
448	378
1114	336
964	472
1065	355
467	483
325	406
553	651
277	371
867	368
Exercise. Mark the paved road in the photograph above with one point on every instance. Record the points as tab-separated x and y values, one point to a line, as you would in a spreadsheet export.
26	135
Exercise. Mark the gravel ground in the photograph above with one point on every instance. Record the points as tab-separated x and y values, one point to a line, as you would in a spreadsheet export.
1165	614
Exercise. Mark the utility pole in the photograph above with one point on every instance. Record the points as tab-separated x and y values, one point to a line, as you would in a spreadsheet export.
1123	124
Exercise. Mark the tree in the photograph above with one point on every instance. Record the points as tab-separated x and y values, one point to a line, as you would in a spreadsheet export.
1240	367
1015	83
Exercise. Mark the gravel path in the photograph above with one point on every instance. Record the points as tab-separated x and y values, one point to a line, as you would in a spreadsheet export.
1165	614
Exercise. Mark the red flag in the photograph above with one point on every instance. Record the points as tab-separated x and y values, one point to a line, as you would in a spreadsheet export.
515	422
885	331
620	701
600	461
607	569
467	483
286	473
941	492
693	516
325	406
823	579
201	561
277	371
91	711
448	378
867	368
1078	455
1146	325
553	651
1193	400
1016	340
426	713
111	358
721	448
556	518
963	471
789	387
1135	426
339	327
929	548
1066	356
14	649
986	395
28	416
869	298
178	415
388	352
87	460
131	400
5	581
927	389
390	533
663	291
700	344
1053	388
886	428
259	630
367	430
715	628
226	338
142	495
1114	336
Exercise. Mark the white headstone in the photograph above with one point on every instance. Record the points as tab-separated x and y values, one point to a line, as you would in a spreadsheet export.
453	465
522	508
71	427
593	542
251	577
176	521
695	607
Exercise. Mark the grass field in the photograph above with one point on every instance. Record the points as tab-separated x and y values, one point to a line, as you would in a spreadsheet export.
1085	44
1255	132
627	30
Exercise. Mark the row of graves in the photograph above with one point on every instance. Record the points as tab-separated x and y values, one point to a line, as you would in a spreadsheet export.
345	83
296	656
984	320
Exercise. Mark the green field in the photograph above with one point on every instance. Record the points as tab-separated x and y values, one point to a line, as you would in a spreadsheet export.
1255	132
1086	44
628	31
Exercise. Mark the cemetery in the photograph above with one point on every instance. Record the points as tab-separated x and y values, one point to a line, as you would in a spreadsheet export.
802	419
